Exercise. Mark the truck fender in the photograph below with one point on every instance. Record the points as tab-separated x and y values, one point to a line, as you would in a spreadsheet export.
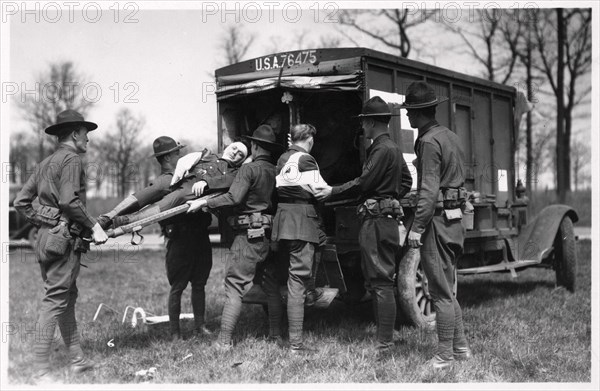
536	238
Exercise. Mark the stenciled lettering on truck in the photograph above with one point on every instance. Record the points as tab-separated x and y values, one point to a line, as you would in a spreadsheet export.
285	59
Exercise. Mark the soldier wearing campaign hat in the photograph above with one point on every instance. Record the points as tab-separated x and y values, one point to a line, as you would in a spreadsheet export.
58	183
167	152
437	228
189	253
385	179
251	199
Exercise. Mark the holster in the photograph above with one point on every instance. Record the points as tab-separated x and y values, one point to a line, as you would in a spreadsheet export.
81	246
78	231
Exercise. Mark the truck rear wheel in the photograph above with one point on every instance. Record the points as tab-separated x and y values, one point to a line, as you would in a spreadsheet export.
565	255
413	293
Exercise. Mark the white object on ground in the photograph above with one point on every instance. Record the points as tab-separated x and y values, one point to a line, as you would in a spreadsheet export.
102	305
149	318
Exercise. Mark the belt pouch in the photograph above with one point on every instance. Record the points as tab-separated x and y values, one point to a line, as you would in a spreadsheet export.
56	245
452	214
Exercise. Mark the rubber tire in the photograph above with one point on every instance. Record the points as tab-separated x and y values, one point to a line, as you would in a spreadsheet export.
565	255
407	291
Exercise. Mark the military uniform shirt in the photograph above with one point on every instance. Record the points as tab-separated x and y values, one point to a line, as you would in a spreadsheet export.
252	189
218	173
385	173
58	181
440	164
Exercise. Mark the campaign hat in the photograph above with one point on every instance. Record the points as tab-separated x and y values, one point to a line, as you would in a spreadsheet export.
164	145
375	107
265	137
420	95
67	119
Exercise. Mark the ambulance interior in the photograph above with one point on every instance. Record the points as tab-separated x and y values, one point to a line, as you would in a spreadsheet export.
339	144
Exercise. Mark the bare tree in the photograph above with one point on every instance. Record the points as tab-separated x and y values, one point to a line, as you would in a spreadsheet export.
581	160
120	150
563	38
388	26
21	156
235	43
148	166
57	89
493	41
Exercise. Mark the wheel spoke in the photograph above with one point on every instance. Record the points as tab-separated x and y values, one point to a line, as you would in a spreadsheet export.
422	306
419	295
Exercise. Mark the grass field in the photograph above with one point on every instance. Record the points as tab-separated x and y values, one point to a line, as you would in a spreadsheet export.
520	330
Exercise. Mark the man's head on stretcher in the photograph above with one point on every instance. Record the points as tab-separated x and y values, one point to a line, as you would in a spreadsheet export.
235	152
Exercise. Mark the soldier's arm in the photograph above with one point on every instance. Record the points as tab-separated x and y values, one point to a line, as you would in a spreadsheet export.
237	192
24	199
429	185
406	178
308	167
373	171
68	198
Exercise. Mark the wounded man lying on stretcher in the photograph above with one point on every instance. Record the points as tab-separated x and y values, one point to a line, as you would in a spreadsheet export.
181	180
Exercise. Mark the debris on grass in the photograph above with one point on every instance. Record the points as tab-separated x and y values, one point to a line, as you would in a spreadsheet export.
145	374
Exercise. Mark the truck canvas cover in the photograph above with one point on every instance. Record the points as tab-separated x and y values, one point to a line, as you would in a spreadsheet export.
335	75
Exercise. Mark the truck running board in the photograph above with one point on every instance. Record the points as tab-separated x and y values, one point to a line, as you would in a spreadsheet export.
511	266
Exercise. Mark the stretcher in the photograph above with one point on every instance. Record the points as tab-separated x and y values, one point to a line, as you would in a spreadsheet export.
135	227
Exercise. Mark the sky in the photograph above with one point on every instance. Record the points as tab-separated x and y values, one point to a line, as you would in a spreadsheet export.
158	58
157	65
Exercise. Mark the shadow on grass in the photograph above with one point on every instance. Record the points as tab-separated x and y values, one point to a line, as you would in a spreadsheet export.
476	291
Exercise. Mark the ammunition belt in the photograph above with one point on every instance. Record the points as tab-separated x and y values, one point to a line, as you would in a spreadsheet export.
452	197
386	207
253	220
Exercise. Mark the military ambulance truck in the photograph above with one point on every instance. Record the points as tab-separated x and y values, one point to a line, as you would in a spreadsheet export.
326	88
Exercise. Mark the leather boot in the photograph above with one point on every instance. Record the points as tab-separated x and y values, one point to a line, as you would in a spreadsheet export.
150	211
129	203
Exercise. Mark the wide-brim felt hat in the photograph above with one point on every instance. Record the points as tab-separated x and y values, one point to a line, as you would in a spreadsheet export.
420	95
375	107
68	118
164	145
265	137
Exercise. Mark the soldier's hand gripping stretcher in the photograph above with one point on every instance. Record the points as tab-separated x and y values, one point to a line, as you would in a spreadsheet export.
98	234
196	205
137	226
